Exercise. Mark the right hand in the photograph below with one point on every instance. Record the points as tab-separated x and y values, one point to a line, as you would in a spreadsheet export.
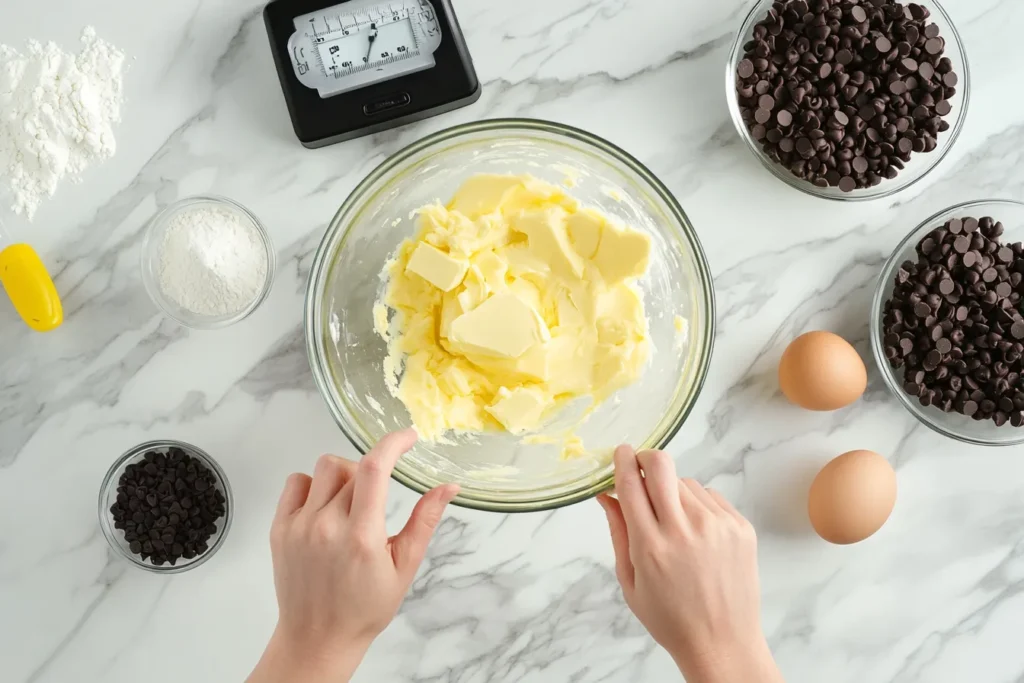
687	562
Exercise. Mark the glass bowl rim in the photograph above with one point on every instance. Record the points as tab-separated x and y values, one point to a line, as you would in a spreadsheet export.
875	331
783	174
153	289
334	239
107	525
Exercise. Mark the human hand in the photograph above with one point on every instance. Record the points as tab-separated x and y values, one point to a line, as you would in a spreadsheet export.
687	562
340	580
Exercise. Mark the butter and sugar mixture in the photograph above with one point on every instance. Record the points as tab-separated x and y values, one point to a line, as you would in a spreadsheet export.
510	302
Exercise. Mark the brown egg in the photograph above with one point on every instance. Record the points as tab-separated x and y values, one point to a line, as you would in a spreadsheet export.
821	371
852	497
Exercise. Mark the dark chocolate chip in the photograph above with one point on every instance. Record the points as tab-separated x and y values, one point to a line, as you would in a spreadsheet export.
857	81
953	323
162	487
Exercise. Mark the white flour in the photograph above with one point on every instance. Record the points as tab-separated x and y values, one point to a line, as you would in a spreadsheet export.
57	112
213	261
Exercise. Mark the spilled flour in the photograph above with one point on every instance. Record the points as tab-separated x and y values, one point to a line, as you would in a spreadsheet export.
57	115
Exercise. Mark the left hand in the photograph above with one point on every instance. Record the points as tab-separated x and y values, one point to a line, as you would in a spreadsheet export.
340	579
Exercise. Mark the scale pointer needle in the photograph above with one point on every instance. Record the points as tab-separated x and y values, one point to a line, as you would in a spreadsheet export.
369	44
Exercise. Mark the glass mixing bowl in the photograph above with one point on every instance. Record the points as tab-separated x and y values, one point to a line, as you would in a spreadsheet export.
496	470
953	425
920	164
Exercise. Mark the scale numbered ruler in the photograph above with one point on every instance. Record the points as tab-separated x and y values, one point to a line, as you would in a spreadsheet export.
355	44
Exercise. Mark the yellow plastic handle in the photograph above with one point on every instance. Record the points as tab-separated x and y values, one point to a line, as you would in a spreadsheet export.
32	292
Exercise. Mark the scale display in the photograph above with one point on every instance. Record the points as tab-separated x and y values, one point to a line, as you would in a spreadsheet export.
359	43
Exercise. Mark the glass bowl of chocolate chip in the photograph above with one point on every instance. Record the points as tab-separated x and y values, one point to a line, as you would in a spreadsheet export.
947	324
165	506
848	99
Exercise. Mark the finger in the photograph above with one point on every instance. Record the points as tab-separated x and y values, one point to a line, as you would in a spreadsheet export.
409	547
293	497
660	481
723	503
620	541
629	486
695	499
370	491
330	474
342	502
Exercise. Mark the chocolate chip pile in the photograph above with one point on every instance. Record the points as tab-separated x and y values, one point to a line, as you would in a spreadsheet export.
954	322
168	506
842	92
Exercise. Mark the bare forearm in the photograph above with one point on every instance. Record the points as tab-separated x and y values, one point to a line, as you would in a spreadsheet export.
287	661
747	665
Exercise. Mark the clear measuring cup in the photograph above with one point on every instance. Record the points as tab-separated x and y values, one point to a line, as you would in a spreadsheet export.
28	284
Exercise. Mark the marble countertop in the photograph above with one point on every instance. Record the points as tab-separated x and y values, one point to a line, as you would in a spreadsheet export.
936	597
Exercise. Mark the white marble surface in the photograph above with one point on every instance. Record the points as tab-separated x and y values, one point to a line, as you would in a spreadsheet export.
936	597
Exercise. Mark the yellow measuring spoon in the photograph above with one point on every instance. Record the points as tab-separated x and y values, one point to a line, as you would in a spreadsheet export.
29	285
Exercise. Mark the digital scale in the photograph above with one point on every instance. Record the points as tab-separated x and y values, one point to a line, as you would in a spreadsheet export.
359	67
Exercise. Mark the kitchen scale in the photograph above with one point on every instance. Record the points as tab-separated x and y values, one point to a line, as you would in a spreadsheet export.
359	67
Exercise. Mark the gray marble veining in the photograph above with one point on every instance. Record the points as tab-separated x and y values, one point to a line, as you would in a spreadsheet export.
935	598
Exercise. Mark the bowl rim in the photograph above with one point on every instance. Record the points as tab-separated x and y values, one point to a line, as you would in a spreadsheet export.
875	329
153	289
107	526
783	174
312	313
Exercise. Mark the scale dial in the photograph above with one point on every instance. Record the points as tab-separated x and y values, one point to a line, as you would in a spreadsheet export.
358	43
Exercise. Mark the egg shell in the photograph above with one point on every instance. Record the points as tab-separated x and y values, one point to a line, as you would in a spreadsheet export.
821	371
852	497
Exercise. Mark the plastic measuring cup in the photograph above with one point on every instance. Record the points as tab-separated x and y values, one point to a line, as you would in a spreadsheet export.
28	284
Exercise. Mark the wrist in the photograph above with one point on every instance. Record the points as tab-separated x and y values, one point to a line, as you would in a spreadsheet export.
303	660
749	662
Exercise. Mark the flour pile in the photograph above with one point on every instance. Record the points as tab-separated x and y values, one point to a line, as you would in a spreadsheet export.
57	115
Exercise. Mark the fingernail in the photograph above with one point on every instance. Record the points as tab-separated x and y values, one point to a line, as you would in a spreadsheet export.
408	433
624	450
450	491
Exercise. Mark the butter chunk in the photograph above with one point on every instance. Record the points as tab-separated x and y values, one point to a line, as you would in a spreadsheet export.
549	241
568	363
585	232
436	267
451	308
491	270
620	316
521	262
504	326
622	254
483	194
534	193
519	409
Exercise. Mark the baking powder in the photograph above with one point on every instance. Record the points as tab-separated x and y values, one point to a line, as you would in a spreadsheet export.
213	261
57	112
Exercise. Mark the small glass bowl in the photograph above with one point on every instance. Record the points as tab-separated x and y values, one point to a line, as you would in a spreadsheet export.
108	496
953	425
151	261
920	164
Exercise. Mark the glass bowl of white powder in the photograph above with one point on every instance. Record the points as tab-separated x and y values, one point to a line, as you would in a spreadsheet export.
207	262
